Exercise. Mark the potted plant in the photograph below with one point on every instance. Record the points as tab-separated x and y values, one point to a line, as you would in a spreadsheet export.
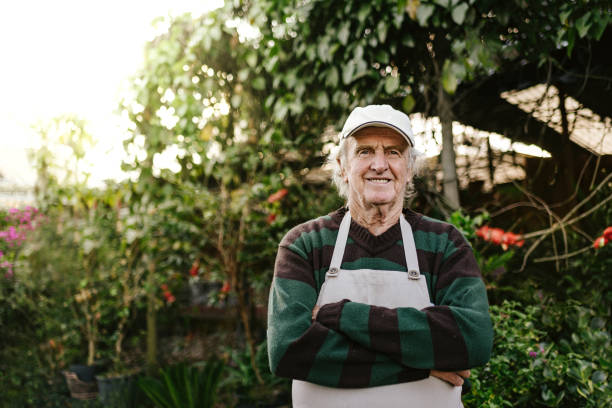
117	385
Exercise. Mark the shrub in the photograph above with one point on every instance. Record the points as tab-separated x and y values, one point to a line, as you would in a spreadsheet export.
554	356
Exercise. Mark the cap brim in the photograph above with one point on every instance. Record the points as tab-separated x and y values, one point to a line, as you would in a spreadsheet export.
379	124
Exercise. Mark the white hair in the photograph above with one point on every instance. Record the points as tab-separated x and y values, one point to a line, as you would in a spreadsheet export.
340	154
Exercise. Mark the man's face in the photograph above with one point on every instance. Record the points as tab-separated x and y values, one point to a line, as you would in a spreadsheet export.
376	166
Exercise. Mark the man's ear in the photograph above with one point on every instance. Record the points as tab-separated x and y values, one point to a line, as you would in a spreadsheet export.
342	171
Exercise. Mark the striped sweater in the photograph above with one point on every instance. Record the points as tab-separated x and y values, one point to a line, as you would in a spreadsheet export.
357	345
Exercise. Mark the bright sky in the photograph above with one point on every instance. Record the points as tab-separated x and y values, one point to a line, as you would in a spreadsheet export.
72	56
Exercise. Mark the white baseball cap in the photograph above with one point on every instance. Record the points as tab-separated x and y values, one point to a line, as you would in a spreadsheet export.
378	116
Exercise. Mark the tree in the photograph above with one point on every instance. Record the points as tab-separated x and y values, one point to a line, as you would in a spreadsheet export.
198	103
413	54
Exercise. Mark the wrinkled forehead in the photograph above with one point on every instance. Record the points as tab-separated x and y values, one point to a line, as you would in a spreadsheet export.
372	133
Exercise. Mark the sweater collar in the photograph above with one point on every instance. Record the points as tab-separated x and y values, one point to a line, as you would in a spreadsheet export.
376	243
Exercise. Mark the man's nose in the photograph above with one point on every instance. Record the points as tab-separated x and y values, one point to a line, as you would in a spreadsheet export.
379	161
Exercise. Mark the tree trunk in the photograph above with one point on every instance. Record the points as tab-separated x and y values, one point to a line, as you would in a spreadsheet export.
449	168
151	320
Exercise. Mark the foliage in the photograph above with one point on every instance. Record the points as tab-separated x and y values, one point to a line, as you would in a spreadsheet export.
198	101
242	380
184	386
491	263
553	355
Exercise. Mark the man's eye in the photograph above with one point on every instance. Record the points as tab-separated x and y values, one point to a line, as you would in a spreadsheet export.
363	152
393	152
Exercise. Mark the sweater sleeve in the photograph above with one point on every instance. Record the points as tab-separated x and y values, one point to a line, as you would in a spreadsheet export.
301	349
454	334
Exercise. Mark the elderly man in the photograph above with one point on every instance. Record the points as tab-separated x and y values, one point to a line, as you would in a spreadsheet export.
375	305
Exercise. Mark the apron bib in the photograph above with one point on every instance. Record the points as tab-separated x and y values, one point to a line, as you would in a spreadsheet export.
390	289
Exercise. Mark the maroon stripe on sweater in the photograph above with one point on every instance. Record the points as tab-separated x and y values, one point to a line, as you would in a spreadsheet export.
384	331
300	355
412	374
357	369
450	351
459	265
290	265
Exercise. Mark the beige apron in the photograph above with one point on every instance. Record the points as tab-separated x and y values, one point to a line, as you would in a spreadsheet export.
390	289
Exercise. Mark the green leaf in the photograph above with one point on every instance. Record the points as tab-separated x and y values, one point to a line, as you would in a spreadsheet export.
443	3
347	72
251	59
382	31
391	84
571	38
322	101
423	13
564	15
458	70
583	24
331	79
458	13
323	50
598	377
236	100
601	25
259	83
408	104
243	74
449	80
381	56
343	33
363	12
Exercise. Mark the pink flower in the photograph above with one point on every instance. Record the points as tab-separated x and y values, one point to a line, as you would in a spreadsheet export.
533	354
1	254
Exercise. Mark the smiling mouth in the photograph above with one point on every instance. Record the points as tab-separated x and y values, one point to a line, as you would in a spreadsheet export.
379	180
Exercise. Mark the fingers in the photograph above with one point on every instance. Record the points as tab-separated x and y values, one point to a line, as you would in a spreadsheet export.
453	378
314	312
464	373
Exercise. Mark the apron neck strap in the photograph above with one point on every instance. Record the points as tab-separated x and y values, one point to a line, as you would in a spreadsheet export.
409	247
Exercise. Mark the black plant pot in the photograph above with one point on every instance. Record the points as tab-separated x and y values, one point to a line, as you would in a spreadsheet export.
86	373
119	391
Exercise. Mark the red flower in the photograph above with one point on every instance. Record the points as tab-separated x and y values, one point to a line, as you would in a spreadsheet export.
225	288
600	242
511	239
271	218
278	195
608	233
499	237
170	298
194	268
164	287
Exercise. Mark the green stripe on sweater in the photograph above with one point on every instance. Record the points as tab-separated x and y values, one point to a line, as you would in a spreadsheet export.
325	369
373	263
470	290
354	316
384	372
309	241
415	338
295	318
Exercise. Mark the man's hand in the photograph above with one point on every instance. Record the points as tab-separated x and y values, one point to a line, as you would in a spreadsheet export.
453	378
314	312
